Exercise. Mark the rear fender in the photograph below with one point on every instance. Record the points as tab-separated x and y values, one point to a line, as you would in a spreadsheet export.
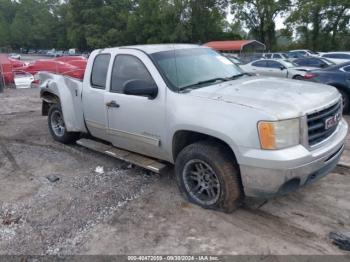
66	91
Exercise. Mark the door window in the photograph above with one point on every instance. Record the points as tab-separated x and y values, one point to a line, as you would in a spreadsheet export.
259	64
99	71
126	68
277	56
301	62
274	64
316	62
337	56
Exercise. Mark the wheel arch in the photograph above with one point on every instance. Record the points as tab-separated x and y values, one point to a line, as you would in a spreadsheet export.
296	76
341	87
183	138
48	99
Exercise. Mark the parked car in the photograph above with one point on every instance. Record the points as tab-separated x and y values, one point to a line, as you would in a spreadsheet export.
276	56
276	68
319	62
302	52
15	63
15	56
229	135
23	79
337	57
69	58
233	59
337	76
249	57
57	67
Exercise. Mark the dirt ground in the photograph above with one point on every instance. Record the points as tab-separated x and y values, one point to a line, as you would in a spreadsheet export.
103	206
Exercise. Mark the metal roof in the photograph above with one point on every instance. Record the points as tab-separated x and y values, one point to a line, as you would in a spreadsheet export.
236	45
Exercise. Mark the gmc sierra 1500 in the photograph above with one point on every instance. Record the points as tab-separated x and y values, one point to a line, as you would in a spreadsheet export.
229	134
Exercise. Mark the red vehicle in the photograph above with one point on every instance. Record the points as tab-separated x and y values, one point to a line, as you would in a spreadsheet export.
73	66
70	58
16	63
6	70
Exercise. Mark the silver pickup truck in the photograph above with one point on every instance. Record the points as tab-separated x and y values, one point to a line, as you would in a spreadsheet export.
229	134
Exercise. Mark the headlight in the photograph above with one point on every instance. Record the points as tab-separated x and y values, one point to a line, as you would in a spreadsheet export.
279	134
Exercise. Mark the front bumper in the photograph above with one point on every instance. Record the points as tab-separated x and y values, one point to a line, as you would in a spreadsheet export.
269	173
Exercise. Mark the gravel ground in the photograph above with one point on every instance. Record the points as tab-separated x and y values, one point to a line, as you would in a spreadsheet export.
101	205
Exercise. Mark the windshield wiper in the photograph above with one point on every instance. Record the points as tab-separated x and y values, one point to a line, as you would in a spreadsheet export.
239	75
213	80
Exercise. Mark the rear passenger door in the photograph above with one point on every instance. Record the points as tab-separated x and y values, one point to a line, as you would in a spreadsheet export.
276	69
135	122
94	94
258	67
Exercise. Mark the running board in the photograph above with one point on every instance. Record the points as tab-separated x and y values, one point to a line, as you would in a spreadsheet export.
130	157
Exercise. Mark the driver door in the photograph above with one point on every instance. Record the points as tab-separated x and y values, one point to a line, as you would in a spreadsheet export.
135	122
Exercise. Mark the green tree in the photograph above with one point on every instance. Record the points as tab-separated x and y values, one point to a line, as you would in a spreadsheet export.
320	24
259	17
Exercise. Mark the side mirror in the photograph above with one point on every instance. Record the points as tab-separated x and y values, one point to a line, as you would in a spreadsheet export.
324	65
141	88
282	68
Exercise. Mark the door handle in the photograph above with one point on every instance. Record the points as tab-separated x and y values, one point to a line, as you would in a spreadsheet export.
112	104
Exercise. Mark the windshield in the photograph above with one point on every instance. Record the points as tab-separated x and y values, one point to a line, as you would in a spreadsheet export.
329	62
188	67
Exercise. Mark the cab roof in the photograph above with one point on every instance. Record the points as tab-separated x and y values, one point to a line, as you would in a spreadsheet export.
150	49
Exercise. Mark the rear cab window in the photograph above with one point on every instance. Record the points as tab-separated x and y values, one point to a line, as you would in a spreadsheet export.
99	71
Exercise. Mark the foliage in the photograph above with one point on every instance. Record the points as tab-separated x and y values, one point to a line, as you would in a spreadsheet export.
259	17
90	24
321	24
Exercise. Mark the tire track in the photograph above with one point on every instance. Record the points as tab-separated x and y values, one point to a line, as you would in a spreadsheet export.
253	220
9	155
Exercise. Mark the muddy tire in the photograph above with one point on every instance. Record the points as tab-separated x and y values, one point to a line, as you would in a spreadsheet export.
57	126
208	176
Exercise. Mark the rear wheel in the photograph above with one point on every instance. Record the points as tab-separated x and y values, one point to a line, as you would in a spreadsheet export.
208	177
298	77
57	126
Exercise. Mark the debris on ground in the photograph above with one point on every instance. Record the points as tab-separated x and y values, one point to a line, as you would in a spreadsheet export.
8	219
99	170
342	240
52	178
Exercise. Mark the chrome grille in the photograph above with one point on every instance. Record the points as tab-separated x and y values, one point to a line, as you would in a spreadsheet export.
317	123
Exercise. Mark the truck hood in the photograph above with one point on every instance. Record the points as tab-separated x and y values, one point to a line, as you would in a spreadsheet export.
281	98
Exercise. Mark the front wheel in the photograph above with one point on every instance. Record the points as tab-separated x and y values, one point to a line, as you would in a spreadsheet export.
57	126
207	176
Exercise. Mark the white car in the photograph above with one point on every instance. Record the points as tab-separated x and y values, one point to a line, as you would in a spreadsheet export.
277	68
276	55
337	57
303	52
15	56
23	79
